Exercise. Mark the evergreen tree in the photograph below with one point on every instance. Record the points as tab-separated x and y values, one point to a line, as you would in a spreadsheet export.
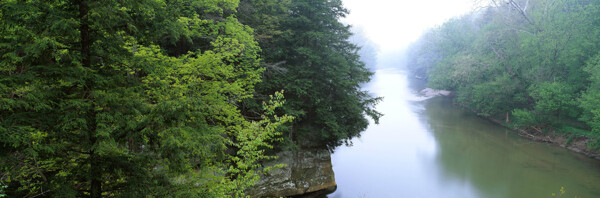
321	73
128	99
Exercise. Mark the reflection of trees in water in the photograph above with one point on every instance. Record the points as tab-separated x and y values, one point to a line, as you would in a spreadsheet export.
500	164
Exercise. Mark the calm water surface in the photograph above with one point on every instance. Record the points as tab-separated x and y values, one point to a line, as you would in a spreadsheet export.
430	148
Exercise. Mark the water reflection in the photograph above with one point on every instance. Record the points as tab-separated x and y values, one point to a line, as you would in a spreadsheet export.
432	149
393	158
499	163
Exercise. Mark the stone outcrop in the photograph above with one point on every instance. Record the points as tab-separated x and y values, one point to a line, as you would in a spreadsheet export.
307	172
429	92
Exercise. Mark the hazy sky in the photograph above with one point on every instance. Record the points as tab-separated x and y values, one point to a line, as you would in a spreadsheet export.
393	24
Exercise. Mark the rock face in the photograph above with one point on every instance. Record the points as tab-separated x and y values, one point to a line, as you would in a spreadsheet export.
307	173
429	92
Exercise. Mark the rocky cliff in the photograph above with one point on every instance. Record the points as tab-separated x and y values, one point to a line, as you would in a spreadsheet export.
307	173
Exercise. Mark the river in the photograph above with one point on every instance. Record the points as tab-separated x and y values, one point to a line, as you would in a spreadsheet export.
431	148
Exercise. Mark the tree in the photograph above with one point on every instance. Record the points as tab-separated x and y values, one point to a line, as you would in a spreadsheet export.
367	48
525	57
321	74
590	99
129	99
553	100
265	17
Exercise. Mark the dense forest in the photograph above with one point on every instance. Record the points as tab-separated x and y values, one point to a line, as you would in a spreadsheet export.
534	64
154	98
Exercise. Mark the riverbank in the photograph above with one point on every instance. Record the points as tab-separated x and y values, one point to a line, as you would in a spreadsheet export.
432	148
576	144
579	144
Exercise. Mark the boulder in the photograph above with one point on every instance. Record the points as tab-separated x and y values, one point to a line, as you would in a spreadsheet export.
429	92
307	173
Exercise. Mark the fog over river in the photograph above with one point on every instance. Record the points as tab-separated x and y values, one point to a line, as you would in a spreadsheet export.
431	148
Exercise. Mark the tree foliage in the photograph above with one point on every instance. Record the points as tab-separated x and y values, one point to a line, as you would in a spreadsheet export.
319	69
157	98
367	48
533	59
129	99
590	99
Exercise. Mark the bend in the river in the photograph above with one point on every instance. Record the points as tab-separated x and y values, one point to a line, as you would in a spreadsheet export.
431	148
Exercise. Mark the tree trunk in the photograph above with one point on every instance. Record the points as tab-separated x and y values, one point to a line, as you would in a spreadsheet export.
84	31
94	161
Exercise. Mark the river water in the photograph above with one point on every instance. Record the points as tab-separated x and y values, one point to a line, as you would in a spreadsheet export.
430	148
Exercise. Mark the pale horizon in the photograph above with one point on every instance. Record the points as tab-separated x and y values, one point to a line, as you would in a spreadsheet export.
394	24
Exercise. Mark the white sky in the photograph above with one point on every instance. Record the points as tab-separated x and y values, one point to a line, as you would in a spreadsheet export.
393	24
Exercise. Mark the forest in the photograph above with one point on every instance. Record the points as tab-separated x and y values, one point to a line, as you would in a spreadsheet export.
533	64
155	98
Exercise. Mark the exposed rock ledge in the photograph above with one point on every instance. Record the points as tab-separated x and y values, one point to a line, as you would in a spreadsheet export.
429	92
308	172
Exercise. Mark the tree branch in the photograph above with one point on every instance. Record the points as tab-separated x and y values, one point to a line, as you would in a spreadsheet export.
521	10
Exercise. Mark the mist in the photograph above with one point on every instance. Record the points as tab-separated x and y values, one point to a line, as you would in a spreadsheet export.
392	25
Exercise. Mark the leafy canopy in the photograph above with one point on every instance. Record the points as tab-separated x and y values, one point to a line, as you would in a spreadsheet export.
129	99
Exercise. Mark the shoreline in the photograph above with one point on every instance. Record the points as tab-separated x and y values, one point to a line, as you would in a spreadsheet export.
577	144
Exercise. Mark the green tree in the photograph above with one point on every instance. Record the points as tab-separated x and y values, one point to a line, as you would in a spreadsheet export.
590	99
321	74
553	100
265	17
525	58
128	99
